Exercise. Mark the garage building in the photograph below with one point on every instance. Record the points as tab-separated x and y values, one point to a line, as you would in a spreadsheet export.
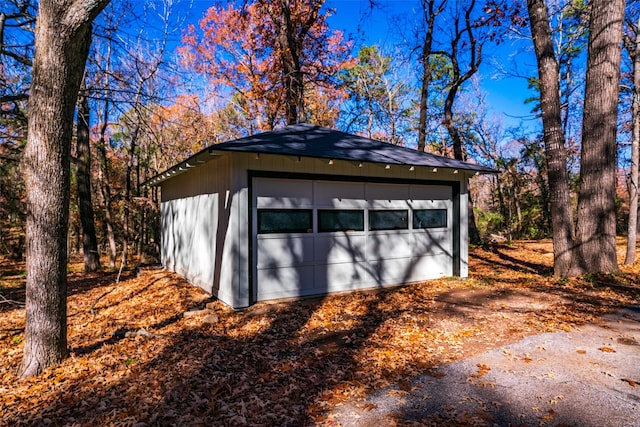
306	210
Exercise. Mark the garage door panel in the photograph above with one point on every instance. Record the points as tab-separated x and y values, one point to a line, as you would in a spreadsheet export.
324	260
389	244
280	193
421	192
266	202
390	270
338	194
430	267
287	251
411	269
335	248
432	242
381	192
429	204
341	276
284	282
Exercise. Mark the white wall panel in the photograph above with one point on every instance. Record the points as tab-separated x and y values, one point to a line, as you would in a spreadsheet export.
189	237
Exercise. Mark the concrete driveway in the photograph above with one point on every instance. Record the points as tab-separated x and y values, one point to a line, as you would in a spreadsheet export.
587	377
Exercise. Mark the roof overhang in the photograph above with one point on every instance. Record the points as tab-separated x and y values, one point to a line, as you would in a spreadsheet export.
310	141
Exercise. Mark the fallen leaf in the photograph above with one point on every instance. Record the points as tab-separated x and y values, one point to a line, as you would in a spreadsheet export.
632	383
397	393
550	415
368	406
482	370
285	355
436	374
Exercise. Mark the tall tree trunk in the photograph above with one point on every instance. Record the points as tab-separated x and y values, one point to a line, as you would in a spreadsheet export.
554	143
83	178
105	187
459	78
633	47
458	153
126	222
430	11
141	227
596	225
291	41
62	40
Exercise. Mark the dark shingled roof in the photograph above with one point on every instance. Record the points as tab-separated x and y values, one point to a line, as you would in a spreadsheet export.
315	141
306	140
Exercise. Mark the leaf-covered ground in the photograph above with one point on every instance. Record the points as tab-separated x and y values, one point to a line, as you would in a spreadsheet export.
136	359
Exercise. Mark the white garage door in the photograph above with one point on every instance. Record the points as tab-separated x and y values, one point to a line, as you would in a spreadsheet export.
313	236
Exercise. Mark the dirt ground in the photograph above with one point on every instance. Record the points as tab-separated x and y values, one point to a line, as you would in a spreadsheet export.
154	350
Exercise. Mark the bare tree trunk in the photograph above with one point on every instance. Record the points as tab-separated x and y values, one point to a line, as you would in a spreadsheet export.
633	47
290	41
83	178
63	37
430	11
126	222
596	225
105	187
141	227
459	78
559	195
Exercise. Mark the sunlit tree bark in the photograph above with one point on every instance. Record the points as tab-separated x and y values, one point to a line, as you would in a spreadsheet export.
596	224
559	196
63	37
633	47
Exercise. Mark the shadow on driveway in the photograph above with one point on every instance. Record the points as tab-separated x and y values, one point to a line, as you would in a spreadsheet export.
587	377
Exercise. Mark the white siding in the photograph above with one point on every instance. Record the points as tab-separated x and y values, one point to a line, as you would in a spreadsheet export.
189	237
196	219
207	230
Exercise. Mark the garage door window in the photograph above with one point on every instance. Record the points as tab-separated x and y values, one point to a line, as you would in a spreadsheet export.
429	218
388	220
340	220
285	221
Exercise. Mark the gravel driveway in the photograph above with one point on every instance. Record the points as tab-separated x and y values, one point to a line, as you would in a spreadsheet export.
587	377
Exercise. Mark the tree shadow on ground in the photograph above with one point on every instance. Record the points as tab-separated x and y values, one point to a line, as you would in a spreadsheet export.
511	262
78	284
291	363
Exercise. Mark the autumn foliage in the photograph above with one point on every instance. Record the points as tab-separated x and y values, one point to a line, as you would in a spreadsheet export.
239	50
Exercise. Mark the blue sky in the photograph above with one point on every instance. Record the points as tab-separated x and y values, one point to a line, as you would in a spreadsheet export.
504	95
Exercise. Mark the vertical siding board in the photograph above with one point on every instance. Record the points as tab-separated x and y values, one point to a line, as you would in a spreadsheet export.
464	228
241	245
